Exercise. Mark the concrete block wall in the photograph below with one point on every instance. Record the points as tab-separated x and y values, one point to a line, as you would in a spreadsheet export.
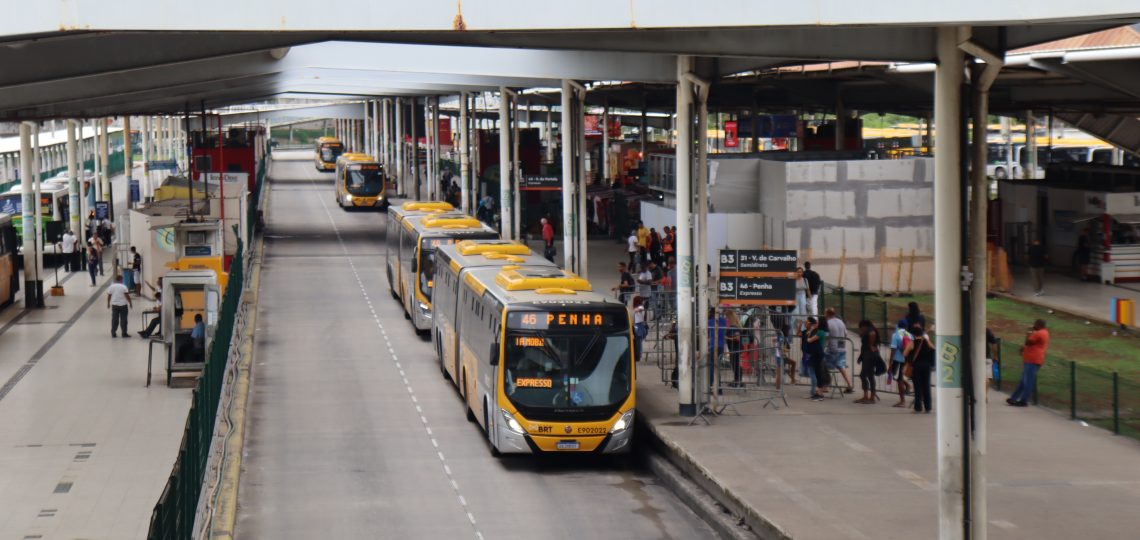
862	207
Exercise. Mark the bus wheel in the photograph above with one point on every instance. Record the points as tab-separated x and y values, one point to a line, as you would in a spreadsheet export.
467	404
439	354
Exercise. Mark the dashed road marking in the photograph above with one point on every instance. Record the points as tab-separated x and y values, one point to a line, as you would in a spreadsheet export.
411	392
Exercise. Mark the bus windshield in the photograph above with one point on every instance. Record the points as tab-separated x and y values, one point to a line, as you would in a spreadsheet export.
576	370
364	181
329	152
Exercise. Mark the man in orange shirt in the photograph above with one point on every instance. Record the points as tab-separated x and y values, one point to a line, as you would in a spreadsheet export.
1033	355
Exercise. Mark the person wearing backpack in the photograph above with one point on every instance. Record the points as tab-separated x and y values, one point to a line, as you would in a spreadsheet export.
899	343
870	360
920	354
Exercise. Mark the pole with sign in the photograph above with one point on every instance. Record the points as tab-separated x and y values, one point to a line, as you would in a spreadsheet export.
757	277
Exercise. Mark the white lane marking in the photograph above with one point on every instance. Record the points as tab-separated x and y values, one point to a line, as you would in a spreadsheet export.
1001	523
395	361
915	479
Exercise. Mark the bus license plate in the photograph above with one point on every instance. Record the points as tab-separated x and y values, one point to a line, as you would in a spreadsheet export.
567	445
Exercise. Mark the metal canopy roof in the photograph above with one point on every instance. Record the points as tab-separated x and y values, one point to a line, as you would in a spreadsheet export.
102	57
331	68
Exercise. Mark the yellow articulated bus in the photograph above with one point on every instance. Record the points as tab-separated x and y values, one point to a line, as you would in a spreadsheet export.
328	149
412	240
395	223
452	262
360	182
545	364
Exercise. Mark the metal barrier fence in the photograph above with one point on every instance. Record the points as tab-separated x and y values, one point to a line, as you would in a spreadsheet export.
174	514
1101	398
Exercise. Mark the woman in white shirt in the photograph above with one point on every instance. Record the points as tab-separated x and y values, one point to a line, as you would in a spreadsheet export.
640	327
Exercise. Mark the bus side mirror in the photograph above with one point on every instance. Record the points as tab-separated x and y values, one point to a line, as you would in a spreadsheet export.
494	354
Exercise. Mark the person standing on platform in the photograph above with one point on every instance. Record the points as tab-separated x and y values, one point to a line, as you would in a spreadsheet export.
870	361
1033	357
812	337
92	262
640	328
900	342
801	295
70	254
119	302
643	241
625	284
815	285
547	232
835	350
914	316
632	249
1037	260
921	355
97	243
136	270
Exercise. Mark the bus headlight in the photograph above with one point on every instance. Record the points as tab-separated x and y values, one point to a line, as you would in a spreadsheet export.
623	423
348	199
512	424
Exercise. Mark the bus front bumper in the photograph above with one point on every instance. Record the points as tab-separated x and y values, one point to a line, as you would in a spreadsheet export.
511	442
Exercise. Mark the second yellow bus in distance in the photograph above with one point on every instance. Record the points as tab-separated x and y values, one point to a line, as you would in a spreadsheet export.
327	150
360	182
545	365
412	240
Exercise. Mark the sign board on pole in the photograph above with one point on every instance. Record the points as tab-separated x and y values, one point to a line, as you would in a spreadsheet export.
730	137
541	183
445	131
102	209
757	277
168	165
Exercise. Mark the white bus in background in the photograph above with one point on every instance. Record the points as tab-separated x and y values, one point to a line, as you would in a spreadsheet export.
997	164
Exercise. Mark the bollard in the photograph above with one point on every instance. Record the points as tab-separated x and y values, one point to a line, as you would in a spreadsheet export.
1072	390
1116	403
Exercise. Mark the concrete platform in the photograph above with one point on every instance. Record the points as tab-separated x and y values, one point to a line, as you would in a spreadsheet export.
1067	293
85	447
839	470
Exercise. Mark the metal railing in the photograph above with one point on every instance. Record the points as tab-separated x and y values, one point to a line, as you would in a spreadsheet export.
174	514
1101	398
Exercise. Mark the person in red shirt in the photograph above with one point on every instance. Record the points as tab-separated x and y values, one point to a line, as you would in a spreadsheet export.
1033	356
548	239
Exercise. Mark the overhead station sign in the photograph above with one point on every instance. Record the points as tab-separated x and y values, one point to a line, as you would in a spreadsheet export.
757	277
540	183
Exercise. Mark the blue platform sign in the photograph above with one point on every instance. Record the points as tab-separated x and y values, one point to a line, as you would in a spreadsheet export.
102	209
168	165
135	190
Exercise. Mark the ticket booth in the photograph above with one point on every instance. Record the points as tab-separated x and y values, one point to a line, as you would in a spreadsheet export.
188	296
200	245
